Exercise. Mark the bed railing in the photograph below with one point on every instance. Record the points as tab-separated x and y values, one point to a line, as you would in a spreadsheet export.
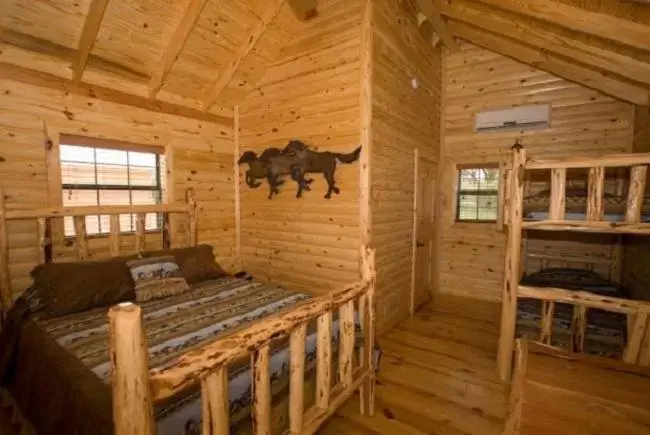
45	218
513	200
135	388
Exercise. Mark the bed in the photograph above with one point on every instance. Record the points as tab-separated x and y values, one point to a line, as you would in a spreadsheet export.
71	369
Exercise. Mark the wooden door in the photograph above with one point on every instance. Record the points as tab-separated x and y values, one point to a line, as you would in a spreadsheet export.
424	235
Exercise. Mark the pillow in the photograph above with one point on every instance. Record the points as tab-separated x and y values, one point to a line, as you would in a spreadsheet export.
156	277
197	263
71	287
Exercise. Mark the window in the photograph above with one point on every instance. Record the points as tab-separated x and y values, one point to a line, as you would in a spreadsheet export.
105	174
478	191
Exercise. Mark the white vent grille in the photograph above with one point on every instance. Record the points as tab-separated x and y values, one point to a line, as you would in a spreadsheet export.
533	116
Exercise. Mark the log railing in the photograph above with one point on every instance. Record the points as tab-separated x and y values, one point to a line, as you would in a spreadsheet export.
46	218
513	217
136	388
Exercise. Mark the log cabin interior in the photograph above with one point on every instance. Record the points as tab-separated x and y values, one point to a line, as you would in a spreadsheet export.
462	247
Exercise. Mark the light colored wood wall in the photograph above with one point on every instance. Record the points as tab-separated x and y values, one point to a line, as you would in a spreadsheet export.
311	93
583	122
403	119
199	156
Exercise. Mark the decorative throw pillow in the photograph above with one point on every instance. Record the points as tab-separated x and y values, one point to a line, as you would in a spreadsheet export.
72	287
197	263
156	277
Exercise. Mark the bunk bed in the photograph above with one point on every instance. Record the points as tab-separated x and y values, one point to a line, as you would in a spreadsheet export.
223	352
597	306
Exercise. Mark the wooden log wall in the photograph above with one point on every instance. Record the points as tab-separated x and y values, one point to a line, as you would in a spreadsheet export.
636	257
199	155
583	121
403	119
311	93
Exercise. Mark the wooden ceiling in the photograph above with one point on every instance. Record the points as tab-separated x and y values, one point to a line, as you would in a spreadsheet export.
201	54
602	44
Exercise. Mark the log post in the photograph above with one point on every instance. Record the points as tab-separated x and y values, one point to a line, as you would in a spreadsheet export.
513	253
139	232
42	239
635	193
80	236
596	189
193	216
166	231
324	360
501	196
546	328
558	194
132	404
214	403
297	378
346	343
634	342
114	237
367	390
513	415
578	328
261	391
5	282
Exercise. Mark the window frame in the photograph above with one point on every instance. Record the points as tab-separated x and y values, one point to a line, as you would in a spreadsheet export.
110	144
459	192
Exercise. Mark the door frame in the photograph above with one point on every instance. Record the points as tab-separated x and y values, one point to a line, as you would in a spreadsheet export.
417	156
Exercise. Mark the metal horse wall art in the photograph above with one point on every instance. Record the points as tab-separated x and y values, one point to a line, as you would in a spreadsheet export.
296	160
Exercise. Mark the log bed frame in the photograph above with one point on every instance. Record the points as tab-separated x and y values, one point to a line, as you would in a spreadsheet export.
136	388
511	196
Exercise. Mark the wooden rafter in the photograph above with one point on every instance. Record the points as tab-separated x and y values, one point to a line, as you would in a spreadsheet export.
438	23
558	66
581	20
426	29
304	9
88	37
175	45
23	75
244	49
539	37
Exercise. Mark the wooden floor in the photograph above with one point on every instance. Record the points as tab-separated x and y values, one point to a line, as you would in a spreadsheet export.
437	375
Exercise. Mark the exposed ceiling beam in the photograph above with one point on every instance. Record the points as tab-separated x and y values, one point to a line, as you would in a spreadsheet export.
304	9
426	29
506	24
24	75
175	45
88	37
438	23
581	20
566	69
212	95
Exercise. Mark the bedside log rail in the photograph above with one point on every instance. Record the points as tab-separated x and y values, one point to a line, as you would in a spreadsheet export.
136	388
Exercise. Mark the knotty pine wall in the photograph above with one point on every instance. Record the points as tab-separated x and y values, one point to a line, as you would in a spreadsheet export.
583	122
403	119
636	258
310	93
200	156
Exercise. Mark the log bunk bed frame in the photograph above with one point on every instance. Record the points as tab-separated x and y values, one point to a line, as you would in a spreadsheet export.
637	349
136	388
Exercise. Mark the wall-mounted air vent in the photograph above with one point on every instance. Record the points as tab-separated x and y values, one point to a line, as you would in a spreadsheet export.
533	116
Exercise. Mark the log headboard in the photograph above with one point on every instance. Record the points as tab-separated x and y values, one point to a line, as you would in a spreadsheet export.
46	216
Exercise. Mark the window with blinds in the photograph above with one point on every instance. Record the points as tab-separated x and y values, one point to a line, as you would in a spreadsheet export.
111	174
478	191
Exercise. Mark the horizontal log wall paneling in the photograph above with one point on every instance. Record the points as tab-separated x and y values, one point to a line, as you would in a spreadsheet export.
403	118
583	121
201	158
311	93
636	256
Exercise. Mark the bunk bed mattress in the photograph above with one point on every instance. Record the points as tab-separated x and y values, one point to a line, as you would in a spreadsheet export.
605	334
576	202
173	326
575	216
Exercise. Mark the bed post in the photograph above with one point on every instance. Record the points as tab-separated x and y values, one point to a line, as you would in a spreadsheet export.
367	390
132	404
513	258
5	283
193	215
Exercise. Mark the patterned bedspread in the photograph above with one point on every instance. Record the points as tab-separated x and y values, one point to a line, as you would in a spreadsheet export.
606	331
177	324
